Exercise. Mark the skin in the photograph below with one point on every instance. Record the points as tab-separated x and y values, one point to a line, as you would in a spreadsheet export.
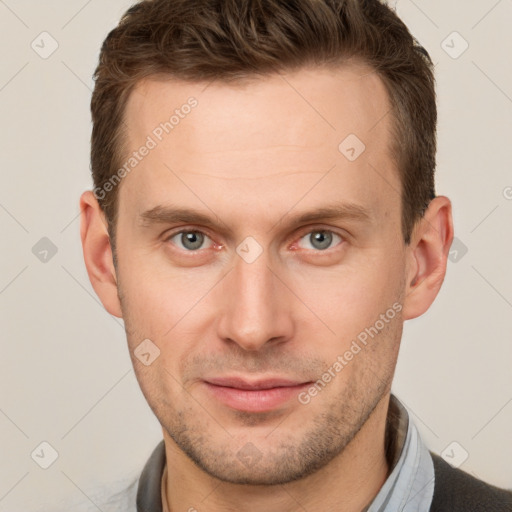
253	156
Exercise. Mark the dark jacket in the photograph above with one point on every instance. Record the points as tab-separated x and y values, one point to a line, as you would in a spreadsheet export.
455	490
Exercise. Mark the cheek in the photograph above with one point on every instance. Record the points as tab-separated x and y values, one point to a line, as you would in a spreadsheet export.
351	297
156	298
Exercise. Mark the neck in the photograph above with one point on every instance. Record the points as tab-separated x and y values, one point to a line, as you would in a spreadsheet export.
349	482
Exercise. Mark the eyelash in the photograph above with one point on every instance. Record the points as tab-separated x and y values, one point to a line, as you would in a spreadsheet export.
301	236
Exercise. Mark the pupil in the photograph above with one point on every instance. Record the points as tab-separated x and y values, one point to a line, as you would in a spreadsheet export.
192	240
321	240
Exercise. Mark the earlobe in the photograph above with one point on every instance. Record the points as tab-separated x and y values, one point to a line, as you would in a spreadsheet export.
427	257
97	253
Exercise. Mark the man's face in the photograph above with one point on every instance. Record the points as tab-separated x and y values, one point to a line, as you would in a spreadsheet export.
253	307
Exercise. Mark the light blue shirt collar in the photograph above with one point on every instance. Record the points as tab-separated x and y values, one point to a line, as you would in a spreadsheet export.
410	486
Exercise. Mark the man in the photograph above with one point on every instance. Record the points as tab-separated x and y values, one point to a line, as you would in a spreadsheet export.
264	220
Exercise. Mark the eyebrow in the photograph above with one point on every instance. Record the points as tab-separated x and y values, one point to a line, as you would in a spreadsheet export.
168	214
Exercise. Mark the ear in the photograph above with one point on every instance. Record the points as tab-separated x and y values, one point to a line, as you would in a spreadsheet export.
427	256
98	253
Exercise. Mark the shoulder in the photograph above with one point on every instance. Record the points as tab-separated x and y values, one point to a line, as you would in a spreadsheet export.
455	490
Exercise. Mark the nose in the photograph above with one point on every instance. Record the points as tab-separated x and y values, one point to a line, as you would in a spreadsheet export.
257	309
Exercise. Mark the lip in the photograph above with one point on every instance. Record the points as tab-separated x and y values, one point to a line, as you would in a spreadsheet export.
260	395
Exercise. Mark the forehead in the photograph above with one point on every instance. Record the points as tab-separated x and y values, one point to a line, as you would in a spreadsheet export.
316	102
263	139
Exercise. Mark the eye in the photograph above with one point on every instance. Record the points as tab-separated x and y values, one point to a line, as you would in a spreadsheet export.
319	239
190	240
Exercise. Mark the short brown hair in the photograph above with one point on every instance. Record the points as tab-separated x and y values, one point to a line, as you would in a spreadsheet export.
226	40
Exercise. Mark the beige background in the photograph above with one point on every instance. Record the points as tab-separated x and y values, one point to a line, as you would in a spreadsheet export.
65	375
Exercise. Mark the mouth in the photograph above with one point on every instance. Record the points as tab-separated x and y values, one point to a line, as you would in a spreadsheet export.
261	395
